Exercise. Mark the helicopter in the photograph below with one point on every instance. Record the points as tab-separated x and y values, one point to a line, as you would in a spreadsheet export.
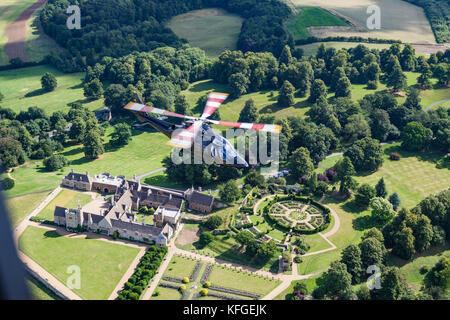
197	130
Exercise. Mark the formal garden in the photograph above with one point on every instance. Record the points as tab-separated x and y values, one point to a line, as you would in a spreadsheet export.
189	279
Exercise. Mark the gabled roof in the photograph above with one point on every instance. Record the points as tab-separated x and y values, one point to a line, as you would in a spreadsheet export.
200	198
130	226
60	212
78	177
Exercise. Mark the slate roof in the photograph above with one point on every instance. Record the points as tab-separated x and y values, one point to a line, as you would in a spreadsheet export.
162	200
145	229
201	198
60	212
78	177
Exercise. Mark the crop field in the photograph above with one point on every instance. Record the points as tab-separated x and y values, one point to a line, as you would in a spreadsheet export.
311	17
102	263
21	89
213	30
399	19
10	10
143	154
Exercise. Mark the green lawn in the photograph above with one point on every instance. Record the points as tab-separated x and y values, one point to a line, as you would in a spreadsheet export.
241	280
67	199
10	10
316	242
143	154
213	29
21	90
166	294
180	267
311	17
413	177
39	291
20	207
327	163
102	263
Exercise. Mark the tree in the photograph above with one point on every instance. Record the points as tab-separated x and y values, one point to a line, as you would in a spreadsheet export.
78	129
334	283
301	163
372	253
318	89
373	233
380	125
93	145
229	192
393	285
442	73
122	134
394	199
351	257
93	89
364	194
396	79
206	237
182	106
343	88
286	95
365	154
415	136
7	184
382	209
116	97
381	188
213	222
245	237
249	113
238	84
356	128
55	162
286	56
255	179
439	275
49	82
413	99
344	171
424	79
404	244
11	152
266	250
407	58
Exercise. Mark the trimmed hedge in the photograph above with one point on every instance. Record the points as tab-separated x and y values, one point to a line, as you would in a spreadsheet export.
145	271
282	225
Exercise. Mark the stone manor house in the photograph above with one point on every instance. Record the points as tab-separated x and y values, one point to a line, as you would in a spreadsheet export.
130	195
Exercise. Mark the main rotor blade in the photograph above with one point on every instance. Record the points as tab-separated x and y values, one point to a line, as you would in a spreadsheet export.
253	126
137	107
215	99
185	138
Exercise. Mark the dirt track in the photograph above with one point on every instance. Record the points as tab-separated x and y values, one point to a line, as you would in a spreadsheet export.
16	33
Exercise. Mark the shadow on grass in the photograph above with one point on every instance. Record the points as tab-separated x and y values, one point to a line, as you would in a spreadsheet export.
208	86
52	234
35	93
393	260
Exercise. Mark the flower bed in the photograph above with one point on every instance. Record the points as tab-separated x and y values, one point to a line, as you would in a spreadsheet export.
196	271
173	279
235	291
206	274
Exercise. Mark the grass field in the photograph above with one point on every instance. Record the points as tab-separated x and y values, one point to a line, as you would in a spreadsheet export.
413	177
143	154
102	263
399	19
166	294
21	89
38	291
241	280
311	17
20	207
67	199
213	30
38	44
180	267
10	10
310	284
